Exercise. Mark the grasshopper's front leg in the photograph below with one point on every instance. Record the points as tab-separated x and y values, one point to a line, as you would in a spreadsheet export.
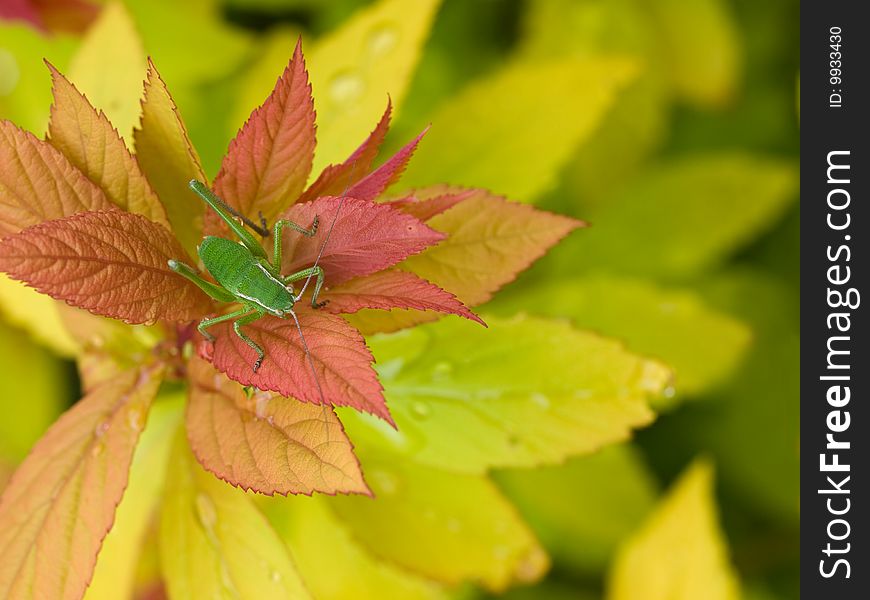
318	283
279	229
215	291
206	323
237	327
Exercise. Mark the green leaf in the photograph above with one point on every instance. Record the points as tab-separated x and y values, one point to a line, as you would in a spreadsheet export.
584	509
513	131
702	345
215	543
33	392
679	553
709	74
683	216
522	393
109	66
446	526
312	531
25	88
355	68
119	556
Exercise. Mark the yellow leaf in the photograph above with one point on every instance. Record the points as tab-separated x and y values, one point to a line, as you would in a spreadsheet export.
709	73
356	67
215	543
119	556
524	392
679	553
37	314
447	526
109	65
170	161
91	143
312	531
61	501
512	132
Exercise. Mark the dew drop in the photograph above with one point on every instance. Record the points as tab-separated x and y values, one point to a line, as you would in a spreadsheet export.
134	419
669	392
101	429
206	512
97	341
420	409
9	72
261	405
97	449
540	400
384	482
441	371
382	39
275	576
346	87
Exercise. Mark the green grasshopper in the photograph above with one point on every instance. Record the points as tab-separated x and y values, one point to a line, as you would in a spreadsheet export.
246	276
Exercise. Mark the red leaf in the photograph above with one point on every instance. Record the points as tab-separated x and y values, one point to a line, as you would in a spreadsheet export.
429	202
37	183
61	502
268	443
21	10
268	162
335	179
111	263
394	289
341	360
373	184
367	237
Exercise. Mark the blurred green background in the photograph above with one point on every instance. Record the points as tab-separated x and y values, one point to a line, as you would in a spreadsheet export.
686	172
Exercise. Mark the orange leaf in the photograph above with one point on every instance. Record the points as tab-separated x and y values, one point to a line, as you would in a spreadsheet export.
342	362
367	237
268	443
334	179
394	289
37	183
429	202
61	502
111	263
169	160
268	162
92	144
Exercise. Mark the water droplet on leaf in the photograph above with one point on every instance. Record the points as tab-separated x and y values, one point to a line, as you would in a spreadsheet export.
206	512
420	409
346	87
382	39
101	428
441	371
540	400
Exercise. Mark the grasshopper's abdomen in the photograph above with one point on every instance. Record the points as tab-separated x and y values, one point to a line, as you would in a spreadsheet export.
243	275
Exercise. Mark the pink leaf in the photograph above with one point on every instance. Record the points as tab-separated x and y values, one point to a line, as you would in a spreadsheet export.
367	237
268	162
430	202
342	362
111	263
394	289
334	179
265	442
373	184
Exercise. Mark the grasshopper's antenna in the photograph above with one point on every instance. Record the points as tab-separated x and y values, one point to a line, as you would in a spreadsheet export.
308	356
262	229
329	233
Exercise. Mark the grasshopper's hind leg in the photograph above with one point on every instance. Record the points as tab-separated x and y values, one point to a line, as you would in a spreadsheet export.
188	272
277	235
237	327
